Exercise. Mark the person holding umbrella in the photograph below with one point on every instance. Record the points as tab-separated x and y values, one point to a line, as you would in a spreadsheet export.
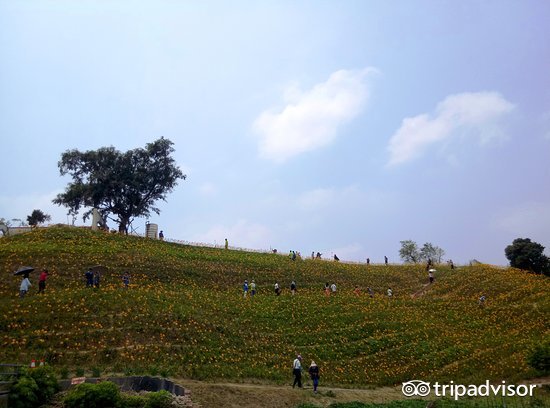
25	283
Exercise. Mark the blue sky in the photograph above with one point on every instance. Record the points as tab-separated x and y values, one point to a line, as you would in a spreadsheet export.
334	126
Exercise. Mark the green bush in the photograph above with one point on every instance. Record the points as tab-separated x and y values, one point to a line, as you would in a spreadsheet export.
33	388
23	393
133	401
539	358
101	395
46	381
160	399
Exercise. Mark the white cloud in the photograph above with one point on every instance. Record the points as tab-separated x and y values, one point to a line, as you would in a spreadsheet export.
311	119
242	234
477	112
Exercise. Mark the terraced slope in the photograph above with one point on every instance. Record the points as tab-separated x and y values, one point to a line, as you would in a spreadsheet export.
184	314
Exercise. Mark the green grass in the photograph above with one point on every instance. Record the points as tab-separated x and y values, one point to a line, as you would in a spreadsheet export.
184	314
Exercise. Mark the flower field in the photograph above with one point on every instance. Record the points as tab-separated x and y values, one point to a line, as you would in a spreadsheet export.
184	314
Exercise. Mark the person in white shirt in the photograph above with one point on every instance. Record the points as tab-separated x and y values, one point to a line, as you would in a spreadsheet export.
390	293
297	371
333	288
277	289
25	285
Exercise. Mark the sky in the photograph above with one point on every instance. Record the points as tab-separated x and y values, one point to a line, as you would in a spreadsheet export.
341	127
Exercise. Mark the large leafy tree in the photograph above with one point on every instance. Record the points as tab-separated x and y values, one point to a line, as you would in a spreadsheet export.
526	254
122	186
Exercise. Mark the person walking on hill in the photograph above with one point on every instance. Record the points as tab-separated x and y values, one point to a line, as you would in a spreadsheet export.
252	288
161	235
42	281
429	264
293	288
25	286
314	375
226	244
336	258
297	371
482	301
97	279
431	275
357	291
126	280
333	288
385	260
89	275
277	289
370	292
245	288
327	289
390	293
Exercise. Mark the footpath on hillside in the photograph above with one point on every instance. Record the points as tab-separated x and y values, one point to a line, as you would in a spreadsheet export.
253	395
249	395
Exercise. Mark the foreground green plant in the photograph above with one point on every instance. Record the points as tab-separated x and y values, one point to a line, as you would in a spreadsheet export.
107	395
33	388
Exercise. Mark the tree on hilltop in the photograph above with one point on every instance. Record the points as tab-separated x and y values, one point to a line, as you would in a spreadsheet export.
409	251
430	251
526	254
38	217
126	185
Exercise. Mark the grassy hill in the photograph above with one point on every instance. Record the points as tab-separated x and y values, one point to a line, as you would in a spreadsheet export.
184	314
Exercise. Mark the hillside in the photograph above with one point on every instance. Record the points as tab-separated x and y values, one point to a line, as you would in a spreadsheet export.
184	314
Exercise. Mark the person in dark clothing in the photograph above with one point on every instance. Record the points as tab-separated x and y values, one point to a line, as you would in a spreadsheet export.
97	279
314	375
89	278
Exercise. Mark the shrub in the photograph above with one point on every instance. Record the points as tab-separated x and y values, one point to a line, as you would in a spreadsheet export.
133	401
160	399
539	358
23	393
34	387
101	395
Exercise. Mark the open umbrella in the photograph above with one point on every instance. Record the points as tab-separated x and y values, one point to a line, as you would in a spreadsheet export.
24	270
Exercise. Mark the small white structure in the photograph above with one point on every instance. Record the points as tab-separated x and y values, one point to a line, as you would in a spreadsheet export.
151	230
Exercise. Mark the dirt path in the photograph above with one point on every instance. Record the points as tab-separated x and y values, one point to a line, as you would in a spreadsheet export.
243	395
260	395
